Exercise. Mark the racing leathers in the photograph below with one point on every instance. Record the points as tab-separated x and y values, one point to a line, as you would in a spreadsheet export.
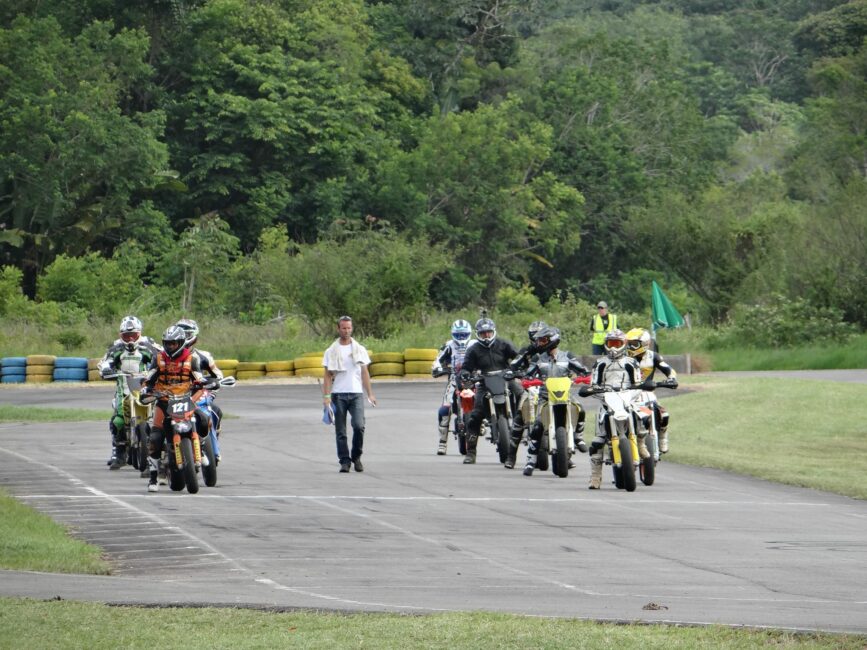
168	377
449	360
120	359
621	373
482	359
210	370
554	363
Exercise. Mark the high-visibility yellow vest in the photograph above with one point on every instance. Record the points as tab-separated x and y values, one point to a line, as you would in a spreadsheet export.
599	329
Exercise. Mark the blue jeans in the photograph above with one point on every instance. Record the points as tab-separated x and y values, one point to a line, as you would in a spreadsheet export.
353	404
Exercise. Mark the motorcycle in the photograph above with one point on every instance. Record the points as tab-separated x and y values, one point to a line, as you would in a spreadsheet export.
617	424
643	403
463	399
136	428
495	383
559	415
211	444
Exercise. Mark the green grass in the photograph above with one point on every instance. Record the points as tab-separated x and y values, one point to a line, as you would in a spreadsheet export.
34	542
793	431
11	413
37	624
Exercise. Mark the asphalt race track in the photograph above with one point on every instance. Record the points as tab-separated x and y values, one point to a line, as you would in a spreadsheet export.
418	533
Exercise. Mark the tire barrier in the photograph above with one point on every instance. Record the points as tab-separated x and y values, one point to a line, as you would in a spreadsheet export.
420	354
248	366
249	374
318	371
92	364
13	379
39	378
39	369
70	369
379	368
279	374
418	367
93	375
13	370
40	359
13	362
387	357
306	363
279	366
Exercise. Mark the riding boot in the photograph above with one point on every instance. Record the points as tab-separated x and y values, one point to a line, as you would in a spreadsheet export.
643	451
118	459
153	463
470	458
663	440
596	470
578	437
444	436
531	464
514	441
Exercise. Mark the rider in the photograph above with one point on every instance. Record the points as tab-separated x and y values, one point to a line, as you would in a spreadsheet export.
621	371
174	371
639	345
450	360
489	354
552	362
130	353
207	364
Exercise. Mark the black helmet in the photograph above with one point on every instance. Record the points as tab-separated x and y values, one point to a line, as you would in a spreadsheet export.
535	326
486	325
174	341
191	329
547	338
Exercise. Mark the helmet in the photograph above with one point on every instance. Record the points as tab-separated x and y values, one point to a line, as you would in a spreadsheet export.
637	341
461	331
191	330
615	344
130	332
547	338
174	341
535	326
486	325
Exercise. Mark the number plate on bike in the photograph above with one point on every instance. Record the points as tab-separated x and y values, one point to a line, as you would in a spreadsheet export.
180	406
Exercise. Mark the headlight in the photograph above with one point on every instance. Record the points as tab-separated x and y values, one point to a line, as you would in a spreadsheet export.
183	426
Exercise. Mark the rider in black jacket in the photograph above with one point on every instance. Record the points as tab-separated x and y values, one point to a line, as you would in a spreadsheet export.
490	353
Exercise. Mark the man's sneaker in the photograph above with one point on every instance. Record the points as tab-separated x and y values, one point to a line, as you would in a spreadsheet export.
344	468
115	463
153	486
469	459
358	466
441	450
528	470
510	461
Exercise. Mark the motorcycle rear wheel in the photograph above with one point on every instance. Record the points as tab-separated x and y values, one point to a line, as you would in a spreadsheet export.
189	469
560	457
647	470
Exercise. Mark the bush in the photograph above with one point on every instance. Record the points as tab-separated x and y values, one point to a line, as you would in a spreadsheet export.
782	322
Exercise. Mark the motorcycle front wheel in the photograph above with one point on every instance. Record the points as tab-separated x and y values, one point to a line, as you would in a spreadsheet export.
189	469
627	467
561	454
544	452
503	438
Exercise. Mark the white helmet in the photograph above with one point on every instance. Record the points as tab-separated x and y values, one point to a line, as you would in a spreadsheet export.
130	332
615	344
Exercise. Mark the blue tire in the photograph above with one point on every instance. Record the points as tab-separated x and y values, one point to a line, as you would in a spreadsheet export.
13	362
12	379
12	370
69	381
73	374
71	362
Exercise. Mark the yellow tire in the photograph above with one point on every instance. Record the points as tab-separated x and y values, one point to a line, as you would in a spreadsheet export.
304	363
41	360
413	375
314	354
39	369
417	367
382	368
279	373
420	354
249	374
92	363
387	357
279	366
310	372
230	373
247	366
93	375
39	379
227	364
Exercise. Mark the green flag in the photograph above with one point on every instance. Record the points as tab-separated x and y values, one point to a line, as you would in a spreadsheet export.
664	314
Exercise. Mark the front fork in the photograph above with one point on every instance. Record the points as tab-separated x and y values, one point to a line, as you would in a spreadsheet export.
197	449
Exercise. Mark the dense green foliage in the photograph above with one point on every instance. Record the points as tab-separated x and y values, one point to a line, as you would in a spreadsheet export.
299	158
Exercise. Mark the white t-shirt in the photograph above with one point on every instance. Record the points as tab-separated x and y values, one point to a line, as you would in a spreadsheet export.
349	381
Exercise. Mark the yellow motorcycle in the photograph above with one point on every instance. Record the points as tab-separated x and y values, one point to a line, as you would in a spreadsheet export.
559	413
617	424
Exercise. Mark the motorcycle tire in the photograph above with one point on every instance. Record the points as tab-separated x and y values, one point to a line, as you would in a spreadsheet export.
542	459
627	467
462	436
189	469
209	472
647	471
560	464
143	432
176	478
503	438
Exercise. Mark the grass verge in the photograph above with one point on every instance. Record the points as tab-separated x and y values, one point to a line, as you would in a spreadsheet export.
31	624
10	413
792	431
34	542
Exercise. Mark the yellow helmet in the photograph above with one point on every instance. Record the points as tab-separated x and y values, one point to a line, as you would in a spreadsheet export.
637	341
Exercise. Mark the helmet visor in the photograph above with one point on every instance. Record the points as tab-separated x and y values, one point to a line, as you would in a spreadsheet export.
485	334
615	344
542	341
460	336
172	346
129	337
634	345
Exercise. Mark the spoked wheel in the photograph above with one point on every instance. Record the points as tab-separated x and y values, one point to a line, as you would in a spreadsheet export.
561	454
503	438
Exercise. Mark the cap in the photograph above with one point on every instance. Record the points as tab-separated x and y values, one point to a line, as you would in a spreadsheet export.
602	304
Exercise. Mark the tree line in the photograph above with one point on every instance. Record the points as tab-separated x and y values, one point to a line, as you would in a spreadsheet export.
253	157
